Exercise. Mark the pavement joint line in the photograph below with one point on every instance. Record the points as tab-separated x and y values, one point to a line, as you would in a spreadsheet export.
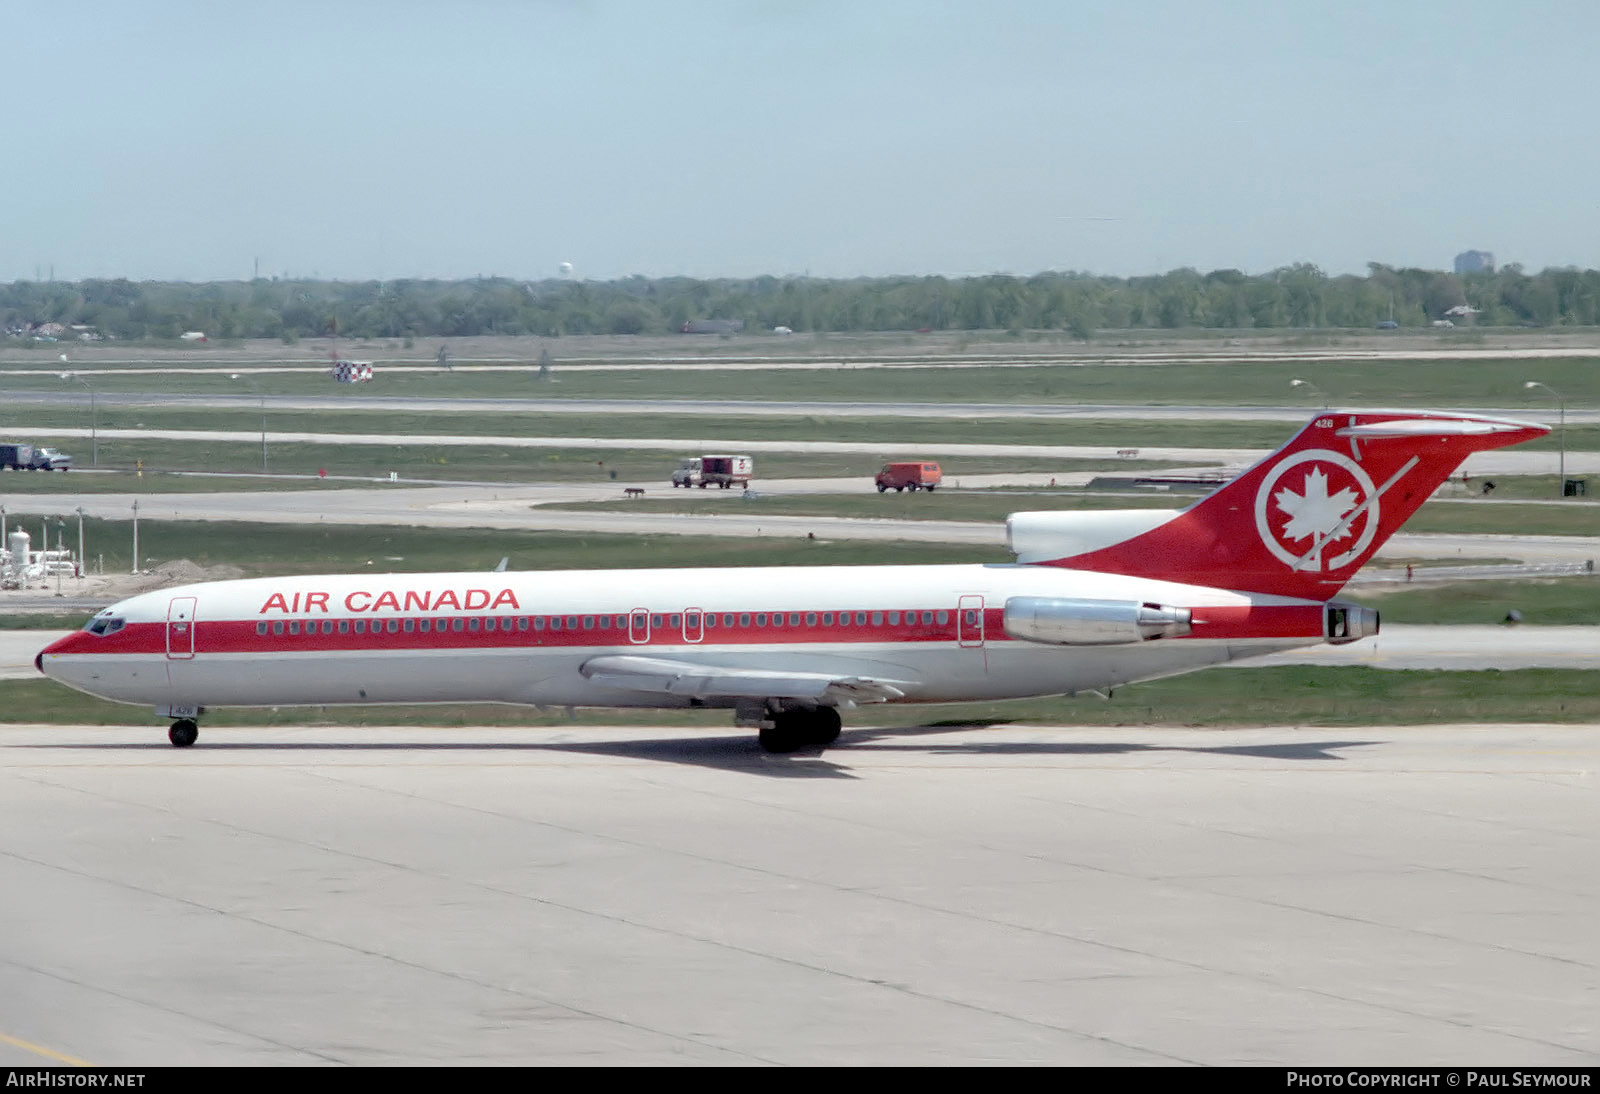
708	940
1180	962
1195	882
321	941
40	1050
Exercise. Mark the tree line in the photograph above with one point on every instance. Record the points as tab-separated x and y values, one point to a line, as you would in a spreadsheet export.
1298	296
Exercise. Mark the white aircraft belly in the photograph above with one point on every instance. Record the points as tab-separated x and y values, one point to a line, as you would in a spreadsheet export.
923	671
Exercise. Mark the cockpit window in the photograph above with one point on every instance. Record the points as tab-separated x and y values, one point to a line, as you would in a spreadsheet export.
105	624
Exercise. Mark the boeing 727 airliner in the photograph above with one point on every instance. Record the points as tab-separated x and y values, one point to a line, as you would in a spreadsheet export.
1095	600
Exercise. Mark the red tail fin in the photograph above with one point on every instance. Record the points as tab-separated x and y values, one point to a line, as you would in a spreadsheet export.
1303	520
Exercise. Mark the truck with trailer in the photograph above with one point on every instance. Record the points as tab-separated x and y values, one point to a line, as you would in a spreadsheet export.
725	471
26	457
909	475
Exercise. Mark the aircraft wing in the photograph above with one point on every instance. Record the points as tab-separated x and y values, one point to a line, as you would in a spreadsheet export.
663	676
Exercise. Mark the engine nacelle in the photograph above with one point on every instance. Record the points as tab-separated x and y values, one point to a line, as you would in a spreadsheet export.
1051	535
1348	622
1071	622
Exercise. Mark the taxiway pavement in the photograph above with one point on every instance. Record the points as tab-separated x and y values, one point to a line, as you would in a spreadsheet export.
924	897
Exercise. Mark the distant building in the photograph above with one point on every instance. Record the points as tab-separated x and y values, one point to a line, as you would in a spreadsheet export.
1475	262
712	326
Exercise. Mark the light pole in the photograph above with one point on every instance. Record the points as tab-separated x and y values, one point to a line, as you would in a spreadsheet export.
81	563
94	416
255	387
135	535
1313	387
1561	433
61	533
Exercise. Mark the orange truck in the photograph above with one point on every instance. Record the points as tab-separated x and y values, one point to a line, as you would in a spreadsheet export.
908	476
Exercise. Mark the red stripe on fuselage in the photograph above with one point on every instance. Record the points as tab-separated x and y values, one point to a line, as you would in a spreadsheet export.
1258	621
240	636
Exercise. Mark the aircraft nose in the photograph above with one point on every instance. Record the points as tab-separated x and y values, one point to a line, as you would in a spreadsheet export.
67	643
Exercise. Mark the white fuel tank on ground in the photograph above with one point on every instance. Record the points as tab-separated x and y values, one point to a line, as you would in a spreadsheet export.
1061	621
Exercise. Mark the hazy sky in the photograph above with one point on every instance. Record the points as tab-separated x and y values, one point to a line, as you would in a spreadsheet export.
422	138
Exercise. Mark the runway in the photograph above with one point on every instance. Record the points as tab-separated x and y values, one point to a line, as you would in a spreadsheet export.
958	897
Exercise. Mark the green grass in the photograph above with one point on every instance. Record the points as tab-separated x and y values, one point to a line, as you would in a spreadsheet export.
272	549
129	481
888	431
1447	382
460	464
41	621
1506	518
1564	601
1296	695
1517	488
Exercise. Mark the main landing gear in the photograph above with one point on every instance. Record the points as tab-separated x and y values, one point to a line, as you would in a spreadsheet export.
183	732
792	729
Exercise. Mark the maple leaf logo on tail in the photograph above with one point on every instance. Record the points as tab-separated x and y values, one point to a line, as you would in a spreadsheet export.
1305	515
1314	514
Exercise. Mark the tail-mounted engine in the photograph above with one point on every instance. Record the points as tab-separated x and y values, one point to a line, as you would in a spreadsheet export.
1348	622
1072	622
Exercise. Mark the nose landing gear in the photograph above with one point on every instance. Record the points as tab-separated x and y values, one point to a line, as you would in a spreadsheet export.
183	732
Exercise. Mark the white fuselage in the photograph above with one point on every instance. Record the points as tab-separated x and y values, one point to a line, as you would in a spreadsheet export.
934	632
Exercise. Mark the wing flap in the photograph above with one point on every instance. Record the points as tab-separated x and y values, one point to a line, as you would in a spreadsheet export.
663	676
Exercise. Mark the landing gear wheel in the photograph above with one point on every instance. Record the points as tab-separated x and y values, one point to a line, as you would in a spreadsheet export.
882	488
792	729
183	733
782	736
825	725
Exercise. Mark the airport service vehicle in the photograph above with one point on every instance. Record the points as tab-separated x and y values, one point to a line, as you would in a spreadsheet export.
908	476
1094	600
724	471
51	459
25	457
687	473
351	372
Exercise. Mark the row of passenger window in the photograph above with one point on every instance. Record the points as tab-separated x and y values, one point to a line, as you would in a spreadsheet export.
394	626
637	623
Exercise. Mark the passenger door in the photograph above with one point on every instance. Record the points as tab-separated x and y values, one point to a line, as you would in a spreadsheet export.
180	628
